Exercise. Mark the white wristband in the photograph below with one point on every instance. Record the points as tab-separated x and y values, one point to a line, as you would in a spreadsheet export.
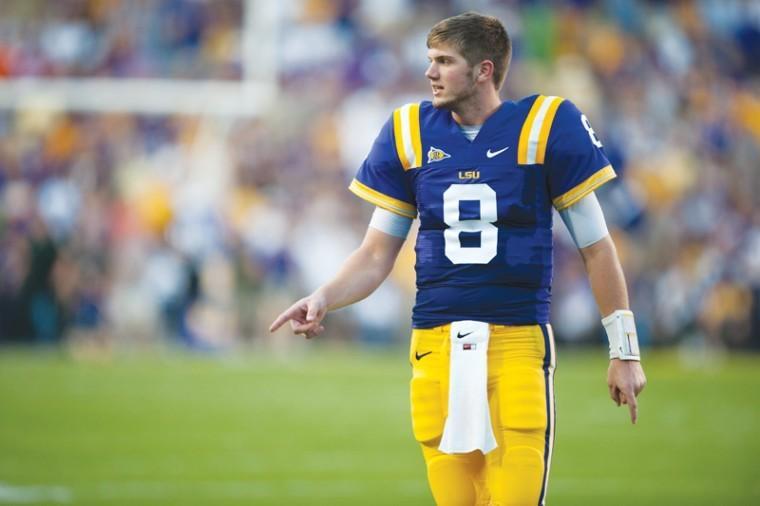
621	332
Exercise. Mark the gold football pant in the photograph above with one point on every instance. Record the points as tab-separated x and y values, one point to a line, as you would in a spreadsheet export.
521	399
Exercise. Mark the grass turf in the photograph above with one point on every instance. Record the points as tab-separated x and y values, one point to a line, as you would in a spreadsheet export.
331	427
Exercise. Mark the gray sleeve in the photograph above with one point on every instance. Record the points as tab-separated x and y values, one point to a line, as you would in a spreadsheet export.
585	221
390	223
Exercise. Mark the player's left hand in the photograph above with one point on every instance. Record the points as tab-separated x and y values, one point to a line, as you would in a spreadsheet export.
625	379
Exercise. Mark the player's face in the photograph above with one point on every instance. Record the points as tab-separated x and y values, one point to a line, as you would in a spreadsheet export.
451	77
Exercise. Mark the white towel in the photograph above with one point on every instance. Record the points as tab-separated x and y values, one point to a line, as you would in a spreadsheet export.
468	425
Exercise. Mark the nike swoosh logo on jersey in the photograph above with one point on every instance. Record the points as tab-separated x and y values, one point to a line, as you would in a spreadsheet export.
460	335
420	355
491	154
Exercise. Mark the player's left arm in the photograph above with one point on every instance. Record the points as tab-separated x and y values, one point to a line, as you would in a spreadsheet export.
577	165
625	376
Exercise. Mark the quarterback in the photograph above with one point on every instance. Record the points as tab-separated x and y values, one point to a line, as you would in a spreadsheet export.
482	176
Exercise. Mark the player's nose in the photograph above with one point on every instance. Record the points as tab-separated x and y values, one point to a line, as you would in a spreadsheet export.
431	72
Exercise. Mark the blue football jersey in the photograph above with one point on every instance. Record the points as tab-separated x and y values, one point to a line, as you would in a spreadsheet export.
484	247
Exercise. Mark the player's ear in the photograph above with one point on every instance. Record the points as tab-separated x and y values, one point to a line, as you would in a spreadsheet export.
485	71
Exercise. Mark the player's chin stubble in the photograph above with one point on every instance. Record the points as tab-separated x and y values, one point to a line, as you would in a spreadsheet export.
455	102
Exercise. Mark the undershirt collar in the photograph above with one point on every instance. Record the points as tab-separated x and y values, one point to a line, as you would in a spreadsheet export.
470	131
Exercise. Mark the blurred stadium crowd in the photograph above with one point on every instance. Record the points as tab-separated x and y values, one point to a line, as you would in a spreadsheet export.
159	39
119	227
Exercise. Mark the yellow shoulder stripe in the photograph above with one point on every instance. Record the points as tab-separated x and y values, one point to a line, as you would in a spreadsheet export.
522	147
582	189
406	133
382	200
534	135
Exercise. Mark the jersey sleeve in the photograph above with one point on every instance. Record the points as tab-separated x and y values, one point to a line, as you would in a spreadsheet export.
575	160
381	179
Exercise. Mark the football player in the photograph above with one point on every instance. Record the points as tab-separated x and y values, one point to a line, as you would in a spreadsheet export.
482	176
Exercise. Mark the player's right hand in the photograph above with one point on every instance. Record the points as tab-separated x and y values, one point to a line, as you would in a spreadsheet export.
305	316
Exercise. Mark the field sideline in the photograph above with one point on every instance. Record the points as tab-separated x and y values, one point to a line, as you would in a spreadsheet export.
331	427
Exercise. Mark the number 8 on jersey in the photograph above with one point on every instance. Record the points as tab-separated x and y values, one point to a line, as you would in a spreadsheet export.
485	198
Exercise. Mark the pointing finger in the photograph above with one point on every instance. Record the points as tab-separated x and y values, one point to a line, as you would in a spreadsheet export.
633	407
279	321
294	312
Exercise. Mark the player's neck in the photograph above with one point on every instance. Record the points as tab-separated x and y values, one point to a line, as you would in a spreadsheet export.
478	109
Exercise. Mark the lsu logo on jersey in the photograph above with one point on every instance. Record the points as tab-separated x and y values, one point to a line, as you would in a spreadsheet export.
436	155
469	174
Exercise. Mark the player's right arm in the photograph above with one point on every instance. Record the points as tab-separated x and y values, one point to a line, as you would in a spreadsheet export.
382	181
360	275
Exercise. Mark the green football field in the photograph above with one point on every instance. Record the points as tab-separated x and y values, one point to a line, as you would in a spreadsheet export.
329	426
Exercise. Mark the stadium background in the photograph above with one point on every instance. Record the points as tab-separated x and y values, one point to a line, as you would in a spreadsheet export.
173	174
